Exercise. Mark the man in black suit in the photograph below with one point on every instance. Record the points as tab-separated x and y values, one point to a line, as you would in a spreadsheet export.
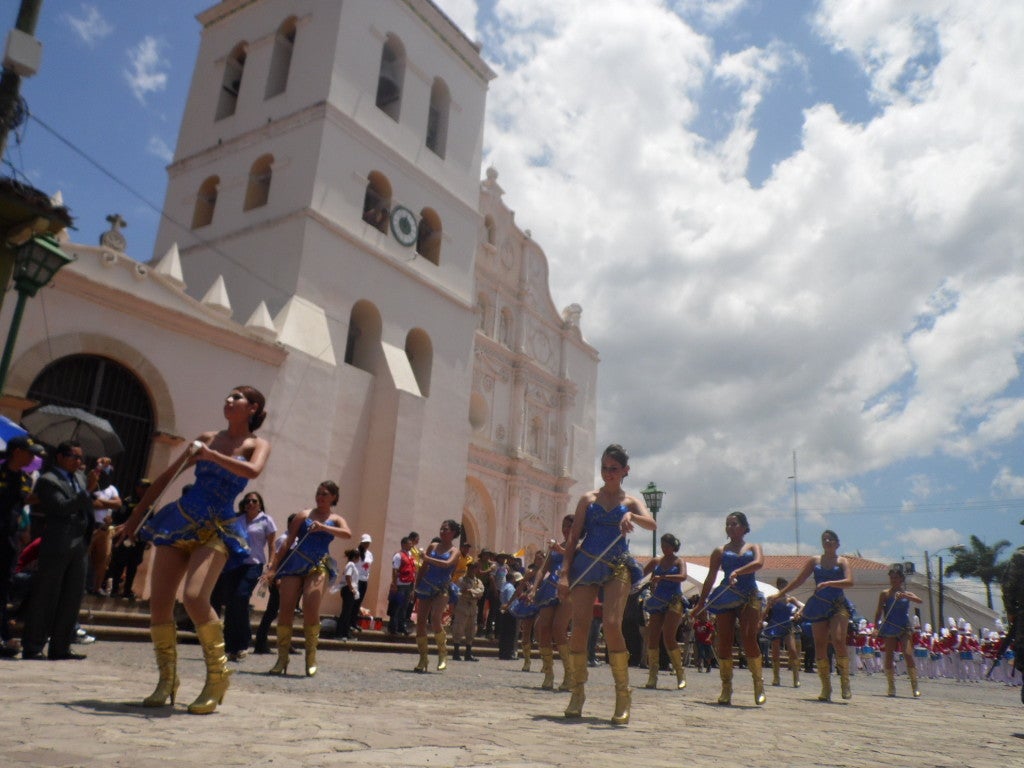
65	501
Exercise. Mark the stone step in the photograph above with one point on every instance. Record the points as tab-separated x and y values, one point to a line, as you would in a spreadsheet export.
108	618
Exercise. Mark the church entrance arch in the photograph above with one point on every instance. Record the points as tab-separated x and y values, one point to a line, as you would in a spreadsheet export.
108	389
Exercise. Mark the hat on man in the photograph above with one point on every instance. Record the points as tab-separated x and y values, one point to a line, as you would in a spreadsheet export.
516	577
365	539
26	443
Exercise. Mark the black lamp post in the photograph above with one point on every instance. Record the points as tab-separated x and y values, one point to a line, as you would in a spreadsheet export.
36	262
652	497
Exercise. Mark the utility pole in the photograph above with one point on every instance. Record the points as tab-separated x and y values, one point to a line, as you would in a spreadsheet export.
10	81
796	506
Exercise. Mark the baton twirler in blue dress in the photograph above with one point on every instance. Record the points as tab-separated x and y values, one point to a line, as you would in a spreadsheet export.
828	610
597	557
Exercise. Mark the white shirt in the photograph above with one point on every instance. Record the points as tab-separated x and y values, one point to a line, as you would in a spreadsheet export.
352	574
364	567
108	493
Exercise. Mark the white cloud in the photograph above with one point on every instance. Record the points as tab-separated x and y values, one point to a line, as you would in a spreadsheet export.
90	27
159	148
929	539
1007	485
859	307
147	71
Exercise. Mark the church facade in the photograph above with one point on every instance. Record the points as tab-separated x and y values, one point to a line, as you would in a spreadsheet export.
327	239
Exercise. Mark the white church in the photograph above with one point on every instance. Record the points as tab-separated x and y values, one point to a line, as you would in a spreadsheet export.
328	239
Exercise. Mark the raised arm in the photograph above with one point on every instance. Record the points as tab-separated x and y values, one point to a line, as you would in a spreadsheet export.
801	577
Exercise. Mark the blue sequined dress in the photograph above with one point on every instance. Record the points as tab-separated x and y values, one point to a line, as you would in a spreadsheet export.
600	528
826	603
667	595
547	592
895	618
205	515
435	578
730	597
310	553
780	619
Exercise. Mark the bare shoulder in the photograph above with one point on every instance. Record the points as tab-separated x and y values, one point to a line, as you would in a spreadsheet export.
634	505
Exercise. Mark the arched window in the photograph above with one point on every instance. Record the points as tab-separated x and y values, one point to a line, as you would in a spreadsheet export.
420	352
234	66
363	345
492	230
281	58
437	117
391	77
377	201
258	191
206	201
428	237
105	388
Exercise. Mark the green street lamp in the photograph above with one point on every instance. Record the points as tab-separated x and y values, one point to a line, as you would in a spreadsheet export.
652	497
35	264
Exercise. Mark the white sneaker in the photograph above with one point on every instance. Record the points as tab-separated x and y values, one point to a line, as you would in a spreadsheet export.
83	637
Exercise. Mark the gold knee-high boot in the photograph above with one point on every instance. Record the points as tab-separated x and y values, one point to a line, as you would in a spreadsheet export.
567	672
912	674
312	633
653	662
676	657
284	646
527	653
890	679
826	680
441	641
794	667
580	673
547	667
211	638
843	665
619	661
725	672
165	637
422	645
757	673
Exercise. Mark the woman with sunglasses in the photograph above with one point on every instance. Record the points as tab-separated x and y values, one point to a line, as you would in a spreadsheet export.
192	538
306	569
241	574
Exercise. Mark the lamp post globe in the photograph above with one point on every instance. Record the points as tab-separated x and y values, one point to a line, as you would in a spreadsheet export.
35	264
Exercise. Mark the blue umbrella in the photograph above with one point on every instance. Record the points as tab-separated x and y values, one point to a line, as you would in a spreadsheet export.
9	429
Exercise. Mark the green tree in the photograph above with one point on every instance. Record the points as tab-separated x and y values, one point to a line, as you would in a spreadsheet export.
979	561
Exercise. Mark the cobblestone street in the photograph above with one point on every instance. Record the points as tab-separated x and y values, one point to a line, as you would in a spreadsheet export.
371	709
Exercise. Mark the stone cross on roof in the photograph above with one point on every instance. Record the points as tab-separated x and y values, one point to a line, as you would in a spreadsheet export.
113	238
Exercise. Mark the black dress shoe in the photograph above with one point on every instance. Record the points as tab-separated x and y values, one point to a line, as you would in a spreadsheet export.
68	656
28	655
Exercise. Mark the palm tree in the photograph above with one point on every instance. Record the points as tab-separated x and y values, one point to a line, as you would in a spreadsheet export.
979	560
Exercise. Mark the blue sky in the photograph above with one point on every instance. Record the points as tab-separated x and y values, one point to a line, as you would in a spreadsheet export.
795	226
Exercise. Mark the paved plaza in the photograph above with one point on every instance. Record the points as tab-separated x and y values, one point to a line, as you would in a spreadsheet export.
370	709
